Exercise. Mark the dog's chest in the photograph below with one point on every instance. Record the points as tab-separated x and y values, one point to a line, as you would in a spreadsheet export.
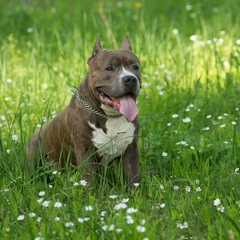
115	141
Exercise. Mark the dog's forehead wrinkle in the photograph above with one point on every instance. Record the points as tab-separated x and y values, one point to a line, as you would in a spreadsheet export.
118	57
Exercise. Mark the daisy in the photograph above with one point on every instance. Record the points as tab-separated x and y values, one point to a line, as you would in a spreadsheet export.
141	229
57	204
131	210
217	202
20	217
88	208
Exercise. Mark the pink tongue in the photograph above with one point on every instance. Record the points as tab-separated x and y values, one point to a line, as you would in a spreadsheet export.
128	108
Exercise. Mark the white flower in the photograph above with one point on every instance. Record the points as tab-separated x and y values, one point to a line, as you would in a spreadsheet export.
57	204
161	187
69	224
44	119
199	189
221	209
83	183
185	225
76	184
174	115
3	118
113	196
143	222
118	230
45	203
206	129
209	116
182	143
103	213
236	170
41	193
188	7
29	30
20	217
131	210
162	205
188	189
141	229
81	220
186	120
40	200
129	219
125	200
193	38
176	187
175	31
120	206
32	214
164	154
88	208
39	219
182	226
111	228
233	123
217	202
14	137
104	228
57	219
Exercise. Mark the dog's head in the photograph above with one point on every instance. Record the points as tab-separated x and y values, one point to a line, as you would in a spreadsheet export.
115	79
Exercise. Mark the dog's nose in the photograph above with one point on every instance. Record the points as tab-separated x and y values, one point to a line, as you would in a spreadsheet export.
130	80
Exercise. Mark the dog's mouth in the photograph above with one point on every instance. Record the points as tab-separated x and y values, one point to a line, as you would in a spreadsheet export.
124	104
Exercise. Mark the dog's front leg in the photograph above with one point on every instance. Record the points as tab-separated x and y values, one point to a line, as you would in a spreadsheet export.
85	161
131	164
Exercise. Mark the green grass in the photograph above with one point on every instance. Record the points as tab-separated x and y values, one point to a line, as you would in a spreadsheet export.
189	112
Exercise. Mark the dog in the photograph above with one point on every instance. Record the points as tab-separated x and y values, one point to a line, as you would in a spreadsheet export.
101	122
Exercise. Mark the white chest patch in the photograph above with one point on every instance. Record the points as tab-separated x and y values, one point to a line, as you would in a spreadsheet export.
114	143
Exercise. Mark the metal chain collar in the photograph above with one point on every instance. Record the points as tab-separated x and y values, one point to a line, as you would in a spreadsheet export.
90	109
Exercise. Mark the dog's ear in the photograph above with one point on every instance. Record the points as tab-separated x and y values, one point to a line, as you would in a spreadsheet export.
126	45
96	49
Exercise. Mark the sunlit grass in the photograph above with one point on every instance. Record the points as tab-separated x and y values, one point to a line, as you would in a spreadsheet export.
189	112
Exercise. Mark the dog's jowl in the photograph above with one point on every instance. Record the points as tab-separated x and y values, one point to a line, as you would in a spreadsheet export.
101	122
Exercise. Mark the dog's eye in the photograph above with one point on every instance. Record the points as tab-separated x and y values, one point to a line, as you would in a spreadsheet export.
135	67
109	68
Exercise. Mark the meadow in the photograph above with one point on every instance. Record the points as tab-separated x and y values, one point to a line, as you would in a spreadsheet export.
189	109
